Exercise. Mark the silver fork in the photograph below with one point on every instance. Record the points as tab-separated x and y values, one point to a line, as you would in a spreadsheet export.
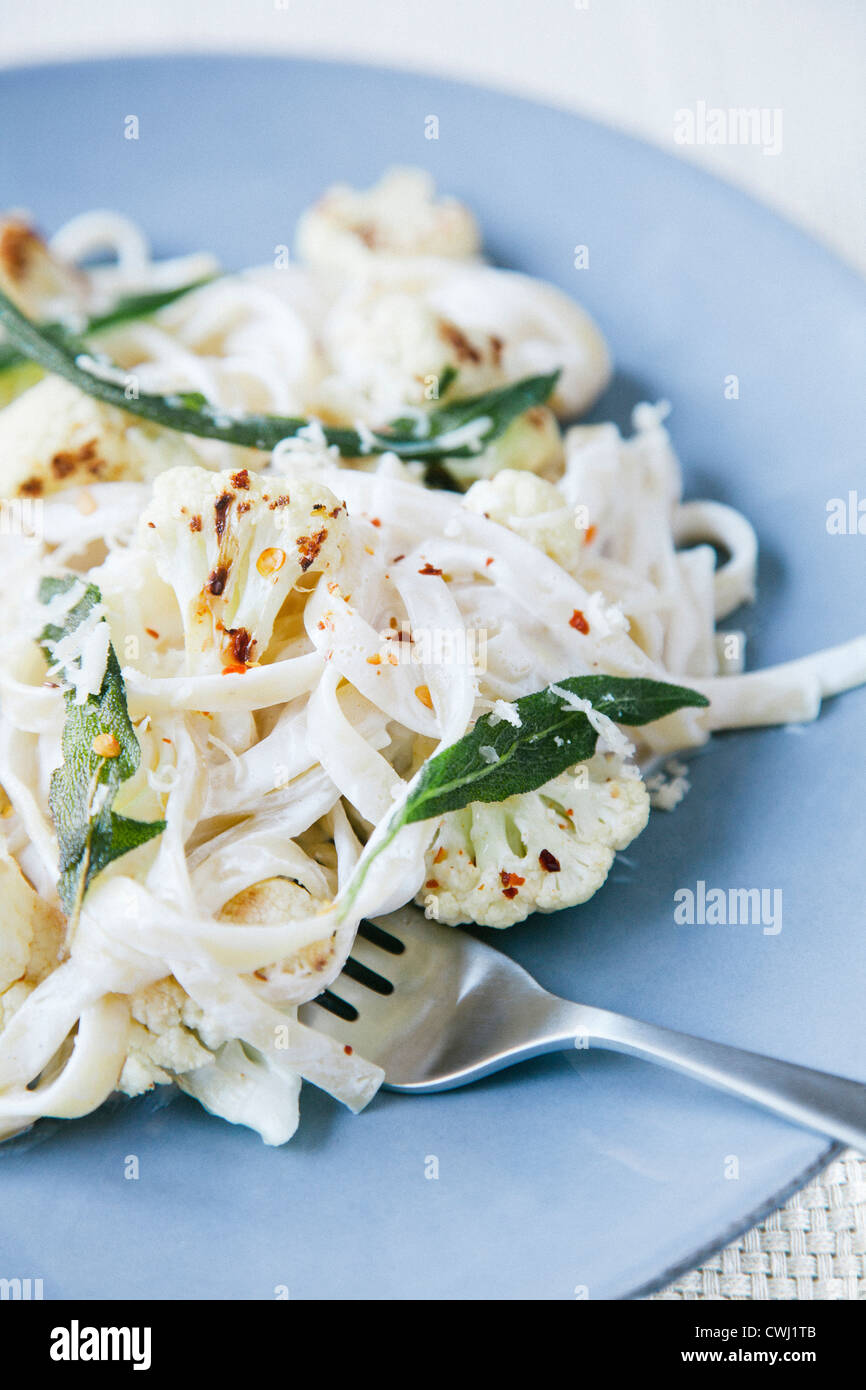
435	1008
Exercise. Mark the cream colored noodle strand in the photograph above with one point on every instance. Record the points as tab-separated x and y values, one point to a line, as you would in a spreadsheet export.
87	1078
786	694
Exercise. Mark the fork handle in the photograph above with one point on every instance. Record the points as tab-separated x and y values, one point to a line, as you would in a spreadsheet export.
832	1105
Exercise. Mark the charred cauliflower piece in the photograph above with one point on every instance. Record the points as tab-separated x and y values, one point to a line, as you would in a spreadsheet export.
272	902
31	937
233	545
37	281
348	228
54	437
388	348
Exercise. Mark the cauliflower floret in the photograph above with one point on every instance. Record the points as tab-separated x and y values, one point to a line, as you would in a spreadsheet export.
54	437
270	903
156	1059
161	1045
348	229
388	348
538	328
165	1005
233	546
42	286
495	863
533	509
391	331
11	1000
49	936
31	930
16	928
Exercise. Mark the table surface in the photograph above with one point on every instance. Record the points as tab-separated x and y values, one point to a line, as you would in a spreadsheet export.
634	64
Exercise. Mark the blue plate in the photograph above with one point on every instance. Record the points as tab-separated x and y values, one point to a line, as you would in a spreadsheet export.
583	1175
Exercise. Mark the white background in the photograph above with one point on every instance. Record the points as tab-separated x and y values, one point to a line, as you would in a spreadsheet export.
632	63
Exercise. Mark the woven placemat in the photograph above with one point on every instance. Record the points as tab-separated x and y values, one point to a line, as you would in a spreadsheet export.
812	1248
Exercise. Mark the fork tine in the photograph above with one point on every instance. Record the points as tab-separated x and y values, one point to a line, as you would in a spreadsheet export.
376	934
372	958
452	999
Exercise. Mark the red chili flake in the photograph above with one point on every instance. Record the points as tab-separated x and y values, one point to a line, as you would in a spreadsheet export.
217	581
374	521
241	479
221	506
234	668
396	558
549	862
511	880
243	508
489	560
591	533
440	854
578	621
195	523
429	569
241	644
432	883
509	892
348	1049
309	547
280	502
152	632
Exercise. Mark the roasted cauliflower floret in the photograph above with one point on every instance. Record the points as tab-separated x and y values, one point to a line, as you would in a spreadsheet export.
233	546
54	437
156	1059
43	286
16	927
31	930
161	1045
495	863
348	228
389	348
392	331
533	509
537	327
270	903
163	1005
